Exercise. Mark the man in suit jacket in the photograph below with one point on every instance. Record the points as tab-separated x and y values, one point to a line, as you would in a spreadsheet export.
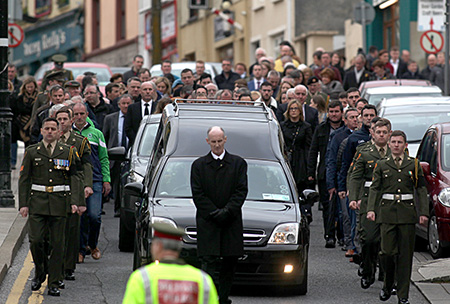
258	79
219	188
357	75
138	110
115	136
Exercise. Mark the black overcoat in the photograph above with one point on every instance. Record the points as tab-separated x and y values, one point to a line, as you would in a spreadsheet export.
216	186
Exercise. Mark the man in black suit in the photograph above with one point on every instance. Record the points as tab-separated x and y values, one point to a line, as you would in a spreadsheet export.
356	75
219	188
309	114
400	67
138	110
115	136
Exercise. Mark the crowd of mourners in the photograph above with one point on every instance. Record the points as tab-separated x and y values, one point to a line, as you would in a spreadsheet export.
322	116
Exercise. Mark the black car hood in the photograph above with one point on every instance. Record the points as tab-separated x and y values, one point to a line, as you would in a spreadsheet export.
256	214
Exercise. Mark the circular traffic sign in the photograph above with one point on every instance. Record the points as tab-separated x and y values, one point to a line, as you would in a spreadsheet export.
432	42
15	35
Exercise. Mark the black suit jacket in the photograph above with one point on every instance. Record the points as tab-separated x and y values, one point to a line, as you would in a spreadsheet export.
219	186
111	129
402	68
133	120
350	79
311	115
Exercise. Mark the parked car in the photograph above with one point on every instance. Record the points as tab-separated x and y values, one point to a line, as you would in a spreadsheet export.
177	67
414	115
434	156
276	234
120	70
377	94
78	68
393	82
134	165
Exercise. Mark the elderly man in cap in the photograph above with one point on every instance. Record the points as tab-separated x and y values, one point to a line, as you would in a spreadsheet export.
169	279
314	88
58	61
73	88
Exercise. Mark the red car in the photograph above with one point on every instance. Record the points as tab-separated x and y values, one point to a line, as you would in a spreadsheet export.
434	156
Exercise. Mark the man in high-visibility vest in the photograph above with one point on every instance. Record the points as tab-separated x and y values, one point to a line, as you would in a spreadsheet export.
169	279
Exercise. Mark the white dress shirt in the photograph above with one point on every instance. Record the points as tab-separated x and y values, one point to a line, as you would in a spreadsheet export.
221	156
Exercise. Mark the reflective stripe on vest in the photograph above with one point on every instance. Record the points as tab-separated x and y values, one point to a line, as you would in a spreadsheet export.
206	287
147	288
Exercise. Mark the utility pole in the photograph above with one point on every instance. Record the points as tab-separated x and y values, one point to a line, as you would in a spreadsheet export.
156	32
6	195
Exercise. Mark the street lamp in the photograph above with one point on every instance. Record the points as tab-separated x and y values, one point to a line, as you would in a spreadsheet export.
6	195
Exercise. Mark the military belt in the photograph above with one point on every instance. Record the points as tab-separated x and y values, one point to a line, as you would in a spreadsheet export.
367	184
58	188
392	197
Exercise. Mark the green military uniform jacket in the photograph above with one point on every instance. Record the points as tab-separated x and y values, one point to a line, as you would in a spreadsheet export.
388	179
358	149
362	172
40	169
84	152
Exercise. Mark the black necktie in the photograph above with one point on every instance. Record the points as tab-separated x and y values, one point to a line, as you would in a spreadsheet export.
124	136
146	112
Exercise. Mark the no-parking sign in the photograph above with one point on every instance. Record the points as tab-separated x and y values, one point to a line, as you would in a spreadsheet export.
432	42
15	35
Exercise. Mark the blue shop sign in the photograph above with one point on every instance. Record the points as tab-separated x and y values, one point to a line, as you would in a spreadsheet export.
42	42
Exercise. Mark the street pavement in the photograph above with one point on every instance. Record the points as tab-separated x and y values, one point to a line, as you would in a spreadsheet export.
332	279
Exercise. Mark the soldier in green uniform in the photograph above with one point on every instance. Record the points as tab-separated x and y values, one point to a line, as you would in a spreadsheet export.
64	117
314	88
358	187
42	100
47	177
392	204
58	60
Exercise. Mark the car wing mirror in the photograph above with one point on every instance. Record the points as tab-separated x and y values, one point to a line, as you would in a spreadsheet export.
425	168
309	197
134	189
117	154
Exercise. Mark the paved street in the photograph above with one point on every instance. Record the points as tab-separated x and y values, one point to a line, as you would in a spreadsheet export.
332	279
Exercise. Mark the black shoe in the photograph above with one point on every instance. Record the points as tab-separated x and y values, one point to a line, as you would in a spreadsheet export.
403	301
36	284
69	275
384	294
360	270
61	285
366	282
54	292
330	243
341	243
117	213
103	212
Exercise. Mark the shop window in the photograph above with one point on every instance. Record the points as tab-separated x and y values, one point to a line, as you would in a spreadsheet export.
276	40
121	21
391	26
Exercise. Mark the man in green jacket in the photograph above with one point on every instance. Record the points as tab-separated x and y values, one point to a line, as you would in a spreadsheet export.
392	204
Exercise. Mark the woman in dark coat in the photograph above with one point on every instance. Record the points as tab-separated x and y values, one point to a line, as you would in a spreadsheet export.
22	108
297	135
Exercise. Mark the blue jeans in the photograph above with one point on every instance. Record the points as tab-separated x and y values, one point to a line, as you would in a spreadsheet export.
91	220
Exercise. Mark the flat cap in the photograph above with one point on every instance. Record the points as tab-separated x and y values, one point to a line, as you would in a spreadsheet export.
59	58
72	84
56	75
312	79
167	231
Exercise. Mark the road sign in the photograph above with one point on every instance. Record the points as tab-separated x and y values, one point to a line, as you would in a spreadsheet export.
432	42
15	35
363	9
428	10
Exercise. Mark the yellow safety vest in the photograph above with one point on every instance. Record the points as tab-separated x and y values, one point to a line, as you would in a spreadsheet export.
161	283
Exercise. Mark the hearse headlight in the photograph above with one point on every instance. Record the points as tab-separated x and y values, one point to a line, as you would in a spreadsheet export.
444	197
163	220
285	234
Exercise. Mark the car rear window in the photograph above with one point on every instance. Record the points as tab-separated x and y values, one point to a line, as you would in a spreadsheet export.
266	180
